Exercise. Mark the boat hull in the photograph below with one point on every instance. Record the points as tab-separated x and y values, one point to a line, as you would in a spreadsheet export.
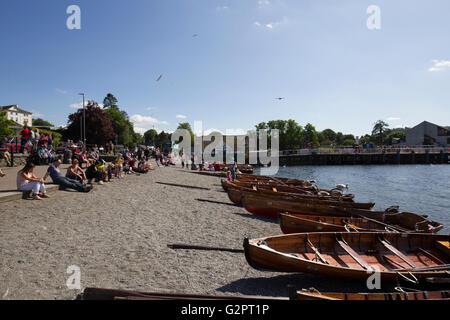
292	253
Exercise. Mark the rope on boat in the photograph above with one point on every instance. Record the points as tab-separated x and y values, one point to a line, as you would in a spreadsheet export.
414	280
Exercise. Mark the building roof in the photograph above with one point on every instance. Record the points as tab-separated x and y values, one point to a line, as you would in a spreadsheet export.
427	122
17	107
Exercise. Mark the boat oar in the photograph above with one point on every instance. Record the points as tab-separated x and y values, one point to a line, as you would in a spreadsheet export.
217	202
182	186
384	224
398	229
205	248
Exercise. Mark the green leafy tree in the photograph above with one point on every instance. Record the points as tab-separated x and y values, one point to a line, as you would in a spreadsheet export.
41	123
187	126
310	135
150	137
293	135
121	123
380	129
4	125
110	101
329	135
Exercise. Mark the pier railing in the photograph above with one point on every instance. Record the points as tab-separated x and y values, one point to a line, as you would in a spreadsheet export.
361	150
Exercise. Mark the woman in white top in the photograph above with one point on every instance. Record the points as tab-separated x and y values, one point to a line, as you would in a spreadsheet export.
27	181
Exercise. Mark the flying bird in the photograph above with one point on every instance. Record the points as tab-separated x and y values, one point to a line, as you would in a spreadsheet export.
195	35
280	99
159	78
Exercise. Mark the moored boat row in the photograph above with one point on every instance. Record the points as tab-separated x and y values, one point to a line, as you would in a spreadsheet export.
326	232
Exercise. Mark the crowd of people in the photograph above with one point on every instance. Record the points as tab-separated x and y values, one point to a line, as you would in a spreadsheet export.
97	170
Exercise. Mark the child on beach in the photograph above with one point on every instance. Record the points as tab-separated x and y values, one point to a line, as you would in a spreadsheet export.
119	167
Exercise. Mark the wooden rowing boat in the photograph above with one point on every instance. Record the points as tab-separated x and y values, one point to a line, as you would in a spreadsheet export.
391	223
416	295
396	256
235	195
271	207
280	181
266	185
407	220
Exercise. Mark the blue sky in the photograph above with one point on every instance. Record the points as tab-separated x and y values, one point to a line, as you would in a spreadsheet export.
319	54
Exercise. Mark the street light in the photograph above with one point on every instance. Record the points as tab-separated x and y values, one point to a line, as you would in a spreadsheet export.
83	136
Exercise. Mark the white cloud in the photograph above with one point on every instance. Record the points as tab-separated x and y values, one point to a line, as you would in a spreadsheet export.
272	25
439	65
77	105
263	4
144	121
151	108
392	119
36	114
228	132
223	8
180	116
80	105
61	91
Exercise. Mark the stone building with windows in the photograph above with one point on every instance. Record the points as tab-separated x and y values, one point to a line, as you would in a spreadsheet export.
17	115
427	133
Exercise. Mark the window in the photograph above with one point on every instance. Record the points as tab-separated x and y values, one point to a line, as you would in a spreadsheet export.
442	132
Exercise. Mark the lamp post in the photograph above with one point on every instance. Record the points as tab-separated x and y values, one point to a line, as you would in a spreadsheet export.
83	131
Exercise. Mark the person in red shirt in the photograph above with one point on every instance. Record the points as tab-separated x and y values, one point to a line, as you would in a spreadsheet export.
25	137
216	166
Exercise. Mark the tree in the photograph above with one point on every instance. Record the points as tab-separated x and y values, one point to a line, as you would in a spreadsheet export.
150	137
187	126
310	135
4	125
293	135
110	101
329	135
98	126
41	123
121	124
379	130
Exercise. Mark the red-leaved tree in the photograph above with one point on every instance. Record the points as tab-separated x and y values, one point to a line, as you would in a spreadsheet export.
98	126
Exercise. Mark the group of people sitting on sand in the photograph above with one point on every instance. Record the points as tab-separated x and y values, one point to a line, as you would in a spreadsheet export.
78	179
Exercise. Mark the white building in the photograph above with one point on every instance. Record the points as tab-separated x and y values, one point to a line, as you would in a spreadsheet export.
17	115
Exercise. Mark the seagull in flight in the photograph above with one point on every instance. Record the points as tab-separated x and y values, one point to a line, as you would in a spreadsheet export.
195	35
159	78
280	99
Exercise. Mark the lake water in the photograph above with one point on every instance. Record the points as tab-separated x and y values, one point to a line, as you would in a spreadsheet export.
423	189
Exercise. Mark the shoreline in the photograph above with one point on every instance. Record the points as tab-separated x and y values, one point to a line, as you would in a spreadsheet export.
118	236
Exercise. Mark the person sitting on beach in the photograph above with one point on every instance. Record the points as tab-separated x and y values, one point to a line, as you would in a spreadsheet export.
96	171
216	166
45	156
4	154
27	181
127	169
132	164
74	172
142	167
92	155
64	182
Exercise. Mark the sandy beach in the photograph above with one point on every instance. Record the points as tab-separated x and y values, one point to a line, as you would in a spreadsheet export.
118	236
